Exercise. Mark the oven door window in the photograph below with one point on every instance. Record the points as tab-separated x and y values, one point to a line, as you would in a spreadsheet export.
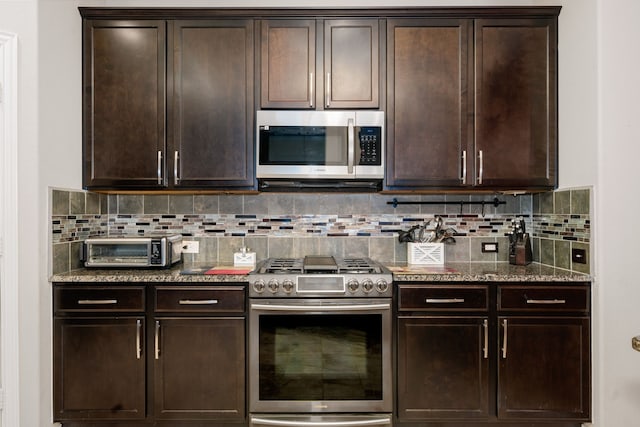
304	145
320	357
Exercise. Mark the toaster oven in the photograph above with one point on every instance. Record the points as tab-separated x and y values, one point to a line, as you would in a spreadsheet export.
136	251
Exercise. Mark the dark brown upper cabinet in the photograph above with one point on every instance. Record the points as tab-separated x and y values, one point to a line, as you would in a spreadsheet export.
211	125
168	104
516	103
320	64
428	99
472	104
124	103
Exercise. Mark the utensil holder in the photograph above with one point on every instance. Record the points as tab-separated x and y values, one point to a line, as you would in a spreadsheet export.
425	253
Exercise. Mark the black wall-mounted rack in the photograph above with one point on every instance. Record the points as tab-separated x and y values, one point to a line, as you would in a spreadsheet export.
495	203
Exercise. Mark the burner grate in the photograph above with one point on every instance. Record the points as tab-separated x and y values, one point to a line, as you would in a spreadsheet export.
320	264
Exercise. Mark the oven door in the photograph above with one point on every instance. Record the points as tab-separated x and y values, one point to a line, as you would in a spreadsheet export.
320	355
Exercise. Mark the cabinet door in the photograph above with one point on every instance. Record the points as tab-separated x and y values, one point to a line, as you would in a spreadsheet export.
351	63
212	104
427	106
443	367
99	368
288	63
516	103
124	104
208	380
544	368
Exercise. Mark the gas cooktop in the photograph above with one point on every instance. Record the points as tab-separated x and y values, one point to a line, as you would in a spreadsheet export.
317	264
320	276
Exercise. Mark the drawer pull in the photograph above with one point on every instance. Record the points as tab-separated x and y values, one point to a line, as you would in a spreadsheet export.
97	301
198	301
444	300
546	301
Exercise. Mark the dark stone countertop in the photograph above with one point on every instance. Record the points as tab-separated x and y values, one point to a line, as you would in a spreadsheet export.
450	272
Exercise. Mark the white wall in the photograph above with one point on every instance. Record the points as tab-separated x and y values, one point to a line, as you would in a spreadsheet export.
20	17
50	153
618	206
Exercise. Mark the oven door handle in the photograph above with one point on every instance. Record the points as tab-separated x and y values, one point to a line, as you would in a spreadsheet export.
294	423
343	307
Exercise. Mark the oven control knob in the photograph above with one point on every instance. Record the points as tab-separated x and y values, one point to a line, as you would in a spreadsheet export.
258	286
367	285
287	286
273	285
353	285
382	286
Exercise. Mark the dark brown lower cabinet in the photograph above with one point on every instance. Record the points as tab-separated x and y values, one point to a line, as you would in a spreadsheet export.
127	355
503	354
544	368
443	367
199	368
99	368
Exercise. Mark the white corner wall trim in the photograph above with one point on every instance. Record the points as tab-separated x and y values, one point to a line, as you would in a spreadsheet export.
9	340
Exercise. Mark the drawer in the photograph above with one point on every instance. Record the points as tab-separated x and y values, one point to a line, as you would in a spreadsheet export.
439	297
200	299
98	299
543	298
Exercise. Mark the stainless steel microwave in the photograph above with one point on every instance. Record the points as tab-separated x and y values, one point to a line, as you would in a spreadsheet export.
150	251
320	145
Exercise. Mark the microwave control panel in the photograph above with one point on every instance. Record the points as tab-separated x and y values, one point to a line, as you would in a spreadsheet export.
370	146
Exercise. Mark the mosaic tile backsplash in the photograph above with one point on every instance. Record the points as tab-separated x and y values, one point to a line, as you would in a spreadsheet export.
291	225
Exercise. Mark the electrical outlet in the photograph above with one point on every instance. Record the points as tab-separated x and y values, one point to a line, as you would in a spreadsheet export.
190	247
579	256
489	247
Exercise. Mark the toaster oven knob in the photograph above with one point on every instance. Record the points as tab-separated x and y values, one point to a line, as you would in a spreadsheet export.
273	285
367	285
258	286
353	285
287	286
382	286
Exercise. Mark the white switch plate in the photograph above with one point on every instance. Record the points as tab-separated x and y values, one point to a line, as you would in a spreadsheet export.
190	247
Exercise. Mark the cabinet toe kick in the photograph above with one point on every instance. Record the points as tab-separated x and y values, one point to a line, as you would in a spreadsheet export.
635	343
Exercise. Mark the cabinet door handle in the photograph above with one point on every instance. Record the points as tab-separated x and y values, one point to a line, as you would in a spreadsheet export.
157	340
176	177
138	340
198	301
97	301
311	90
444	300
328	92
485	349
159	167
546	301
464	167
481	167
504	338
351	148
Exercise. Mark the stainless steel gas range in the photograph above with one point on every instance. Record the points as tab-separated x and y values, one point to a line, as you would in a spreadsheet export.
320	342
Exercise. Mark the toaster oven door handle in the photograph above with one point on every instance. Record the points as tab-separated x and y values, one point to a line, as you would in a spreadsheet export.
328	423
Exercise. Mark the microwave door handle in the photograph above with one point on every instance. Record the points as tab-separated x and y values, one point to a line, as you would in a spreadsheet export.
350	146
